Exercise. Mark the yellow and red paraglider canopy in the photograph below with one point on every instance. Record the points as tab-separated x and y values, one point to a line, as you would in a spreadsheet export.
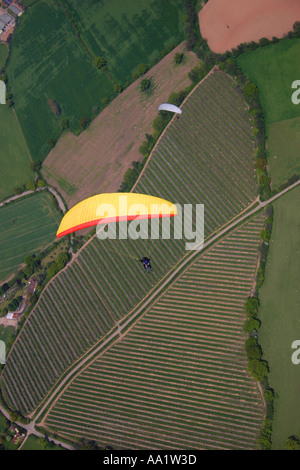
114	207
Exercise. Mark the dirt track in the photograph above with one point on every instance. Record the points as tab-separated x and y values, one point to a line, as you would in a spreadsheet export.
227	23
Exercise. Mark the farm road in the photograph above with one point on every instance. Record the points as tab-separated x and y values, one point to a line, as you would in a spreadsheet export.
25	193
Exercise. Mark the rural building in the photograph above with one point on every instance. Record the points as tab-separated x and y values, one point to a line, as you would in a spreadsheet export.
16	10
6	21
5	18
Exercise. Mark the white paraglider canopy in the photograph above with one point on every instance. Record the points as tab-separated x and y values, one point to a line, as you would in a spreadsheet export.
169	107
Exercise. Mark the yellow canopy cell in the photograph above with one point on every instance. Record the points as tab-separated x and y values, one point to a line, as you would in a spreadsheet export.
114	207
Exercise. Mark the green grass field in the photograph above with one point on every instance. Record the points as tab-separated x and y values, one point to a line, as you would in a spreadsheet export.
273	69
6	333
128	33
14	157
282	146
279	313
3	55
26	226
33	443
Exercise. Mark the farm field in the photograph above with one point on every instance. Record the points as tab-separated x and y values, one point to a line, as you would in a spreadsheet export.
40	69
279	61
279	314
126	33
14	157
238	21
27	225
204	157
32	443
177	379
282	147
96	160
3	55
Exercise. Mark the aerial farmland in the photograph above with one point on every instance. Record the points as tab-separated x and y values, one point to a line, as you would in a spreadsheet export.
130	327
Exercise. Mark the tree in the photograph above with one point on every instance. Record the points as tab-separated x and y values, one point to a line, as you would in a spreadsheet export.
36	165
4	288
197	73
142	69
84	122
31	298
292	443
105	101
253	349
117	88
147	145
145	84
264	440
30	186
178	57
9	100
130	177
260	164
64	124
258	369
264	42
52	270
296	28
251	325
100	62
14	304
250	90
251	306
41	183
51	142
61	260
31	263
43	441
265	235
18	190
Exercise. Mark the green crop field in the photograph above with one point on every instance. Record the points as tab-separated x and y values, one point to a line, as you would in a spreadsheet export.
279	313
46	62
273	69
27	225
129	33
33	443
178	379
282	146
204	157
14	157
3	55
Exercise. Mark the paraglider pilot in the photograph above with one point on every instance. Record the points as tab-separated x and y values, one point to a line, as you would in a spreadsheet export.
146	263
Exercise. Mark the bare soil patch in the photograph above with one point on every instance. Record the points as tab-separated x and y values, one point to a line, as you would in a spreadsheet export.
97	159
227	23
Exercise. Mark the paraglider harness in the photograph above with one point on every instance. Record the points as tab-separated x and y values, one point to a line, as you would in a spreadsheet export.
146	263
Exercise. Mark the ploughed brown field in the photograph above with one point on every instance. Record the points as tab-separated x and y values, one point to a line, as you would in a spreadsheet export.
227	23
